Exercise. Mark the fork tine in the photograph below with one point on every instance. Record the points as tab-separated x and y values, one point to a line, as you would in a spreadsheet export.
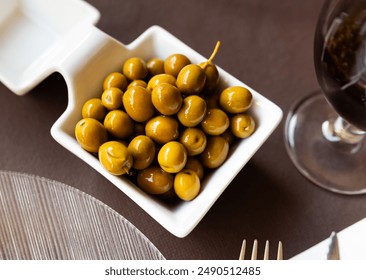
280	251
266	251
254	250
242	250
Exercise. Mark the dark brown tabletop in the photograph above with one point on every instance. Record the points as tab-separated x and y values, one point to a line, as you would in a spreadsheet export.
267	45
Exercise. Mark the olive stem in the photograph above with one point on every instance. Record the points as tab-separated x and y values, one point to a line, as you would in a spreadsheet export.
209	61
214	51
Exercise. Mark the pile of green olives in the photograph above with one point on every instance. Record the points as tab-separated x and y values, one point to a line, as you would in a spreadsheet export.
165	123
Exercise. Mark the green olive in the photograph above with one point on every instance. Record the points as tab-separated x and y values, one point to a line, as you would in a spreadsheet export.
166	98
154	180
187	184
137	103
162	129
115	79
242	125
215	122
140	83
135	68
112	98
212	76
172	157
191	79
236	99
142	149
192	111
174	63
90	134
119	124
195	165
194	140
215	153
159	79
94	108
115	157
211	72
155	66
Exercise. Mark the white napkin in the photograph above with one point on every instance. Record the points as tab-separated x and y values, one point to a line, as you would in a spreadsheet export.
352	245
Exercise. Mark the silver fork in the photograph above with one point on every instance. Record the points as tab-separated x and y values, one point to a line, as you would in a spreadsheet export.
255	250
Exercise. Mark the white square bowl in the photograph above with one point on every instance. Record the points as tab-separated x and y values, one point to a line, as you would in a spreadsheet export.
181	218
84	55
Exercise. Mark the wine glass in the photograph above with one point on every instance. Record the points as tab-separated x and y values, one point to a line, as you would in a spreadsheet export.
325	131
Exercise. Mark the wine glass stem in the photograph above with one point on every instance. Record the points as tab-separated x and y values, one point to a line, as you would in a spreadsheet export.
339	130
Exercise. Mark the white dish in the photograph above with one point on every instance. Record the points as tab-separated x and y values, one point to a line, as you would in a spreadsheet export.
86	55
34	38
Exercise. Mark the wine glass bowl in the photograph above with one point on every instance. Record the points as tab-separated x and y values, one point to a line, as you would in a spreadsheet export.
339	56
325	132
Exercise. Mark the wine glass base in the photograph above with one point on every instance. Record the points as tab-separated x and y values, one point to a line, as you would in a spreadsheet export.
330	164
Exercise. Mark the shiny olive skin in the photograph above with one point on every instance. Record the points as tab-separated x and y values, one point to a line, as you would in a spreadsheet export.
137	103
155	180
194	164
187	184
159	79
115	79
94	108
212	76
162	129
174	63
172	157
119	124
215	153
139	83
192	111
112	98
194	140
142	149
215	122
242	125
236	99
90	134
115	157
166	98
155	66
135	68
191	79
